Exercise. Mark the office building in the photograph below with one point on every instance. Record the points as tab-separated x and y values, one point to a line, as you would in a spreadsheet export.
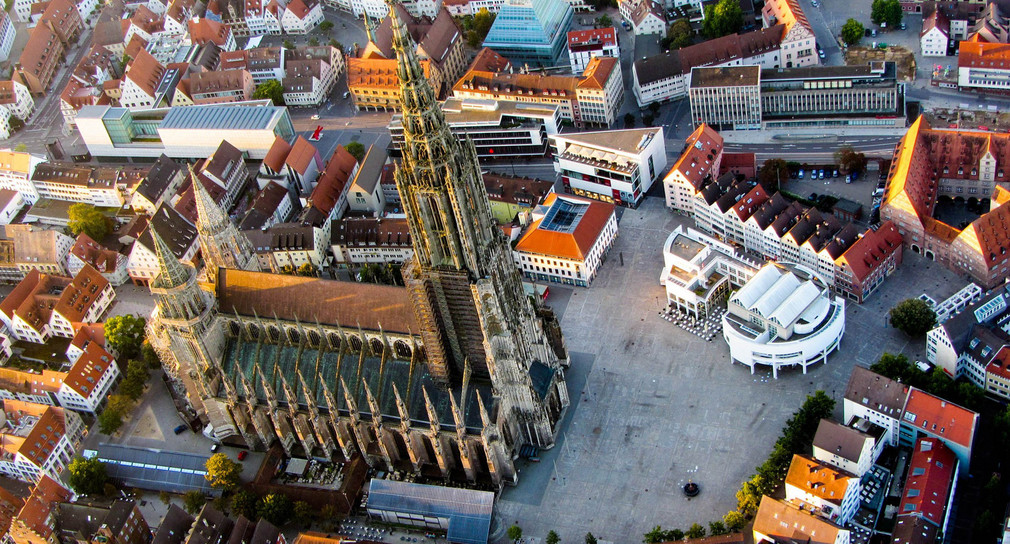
532	32
617	166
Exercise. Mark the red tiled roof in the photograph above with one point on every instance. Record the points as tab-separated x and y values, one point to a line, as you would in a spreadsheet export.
89	333
302	154
870	251
1000	364
301	8
205	30
146	72
607	36
574	245
597	72
487	60
35	514
702	148
930	473
936	416
333	180
95	254
277	154
936	20
749	203
973	54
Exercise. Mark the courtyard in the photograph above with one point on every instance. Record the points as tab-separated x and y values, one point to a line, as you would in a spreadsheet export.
654	407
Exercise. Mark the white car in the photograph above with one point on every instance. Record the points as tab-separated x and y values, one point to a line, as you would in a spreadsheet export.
820	53
315	117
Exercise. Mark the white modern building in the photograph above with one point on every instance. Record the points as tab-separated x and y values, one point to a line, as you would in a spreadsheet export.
699	271
567	240
616	166
16	170
783	317
183	132
88	383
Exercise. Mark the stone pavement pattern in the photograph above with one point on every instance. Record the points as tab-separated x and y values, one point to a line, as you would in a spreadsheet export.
654	406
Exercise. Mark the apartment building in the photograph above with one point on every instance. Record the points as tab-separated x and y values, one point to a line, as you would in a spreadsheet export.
617	166
180	235
110	264
583	45
66	181
89	380
42	306
221	86
38	440
40	249
360	240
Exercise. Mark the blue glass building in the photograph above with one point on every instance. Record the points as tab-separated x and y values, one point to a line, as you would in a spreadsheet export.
533	32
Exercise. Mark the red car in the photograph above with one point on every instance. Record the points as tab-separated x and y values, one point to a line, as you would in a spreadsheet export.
242	455
315	135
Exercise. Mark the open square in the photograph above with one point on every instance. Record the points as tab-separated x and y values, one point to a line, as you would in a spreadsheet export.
654	407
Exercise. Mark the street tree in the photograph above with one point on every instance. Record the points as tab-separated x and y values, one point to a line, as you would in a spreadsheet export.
481	25
136	379
288	44
356	149
244	503
678	35
193	501
734	521
304	512
849	160
514	533
222	472
125	334
313	41
87	476
723	19
87	219
326	26
552	537
590	539
271	89
695	531
771	174
21	148
629	120
852	32
605	21
275	508
717	528
307	269
913	317
886	11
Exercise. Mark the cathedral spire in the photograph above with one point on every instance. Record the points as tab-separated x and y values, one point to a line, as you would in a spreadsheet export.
171	272
410	70
209	216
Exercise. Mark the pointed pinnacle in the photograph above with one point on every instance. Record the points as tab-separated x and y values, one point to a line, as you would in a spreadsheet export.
171	272
210	217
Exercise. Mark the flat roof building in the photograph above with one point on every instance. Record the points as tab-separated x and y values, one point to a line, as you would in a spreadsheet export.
464	514
727	98
183	132
617	166
532	32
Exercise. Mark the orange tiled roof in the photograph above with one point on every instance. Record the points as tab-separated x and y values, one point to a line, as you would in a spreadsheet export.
95	254
277	154
78	298
35	515
88	370
870	251
573	245
597	72
939	417
818	479
977	54
302	154
146	72
702	148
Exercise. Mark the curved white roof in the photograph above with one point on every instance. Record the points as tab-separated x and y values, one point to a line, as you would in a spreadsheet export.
757	286
796	303
779	291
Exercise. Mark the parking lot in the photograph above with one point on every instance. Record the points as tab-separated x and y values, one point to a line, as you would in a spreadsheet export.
654	407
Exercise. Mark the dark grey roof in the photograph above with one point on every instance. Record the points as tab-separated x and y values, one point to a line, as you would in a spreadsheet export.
840	440
155	470
876	392
158	178
174	527
468	511
178	233
659	67
211	527
222	117
807	73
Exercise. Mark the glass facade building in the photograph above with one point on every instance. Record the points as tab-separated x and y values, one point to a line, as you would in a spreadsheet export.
533	32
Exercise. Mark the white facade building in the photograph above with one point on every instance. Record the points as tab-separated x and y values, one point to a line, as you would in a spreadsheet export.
783	317
617	166
24	426
89	380
830	493
16	171
567	241
699	271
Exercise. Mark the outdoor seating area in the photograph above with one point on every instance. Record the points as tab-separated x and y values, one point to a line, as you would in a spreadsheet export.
317	474
706	328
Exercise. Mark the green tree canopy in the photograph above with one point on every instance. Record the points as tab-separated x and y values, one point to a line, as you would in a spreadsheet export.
125	334
21	148
313	41
717	528
87	219
590	539
605	21
772	173
136	379
852	32
326	26
849	160
480	26
222	472
87	476
304	512
629	120
275	508
271	89
695	531
307	269
886	11
288	44
678	35
723	19
514	533
913	317
552	537
193	501
356	149
244	503
734	521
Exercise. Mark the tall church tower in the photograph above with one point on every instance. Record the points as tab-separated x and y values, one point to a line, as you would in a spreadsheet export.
466	291
224	246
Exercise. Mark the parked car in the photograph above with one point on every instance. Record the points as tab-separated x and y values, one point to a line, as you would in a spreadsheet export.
180	429
800	175
243	454
834	174
820	174
215	447
820	53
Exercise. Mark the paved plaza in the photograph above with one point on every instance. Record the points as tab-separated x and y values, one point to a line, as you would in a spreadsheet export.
654	407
